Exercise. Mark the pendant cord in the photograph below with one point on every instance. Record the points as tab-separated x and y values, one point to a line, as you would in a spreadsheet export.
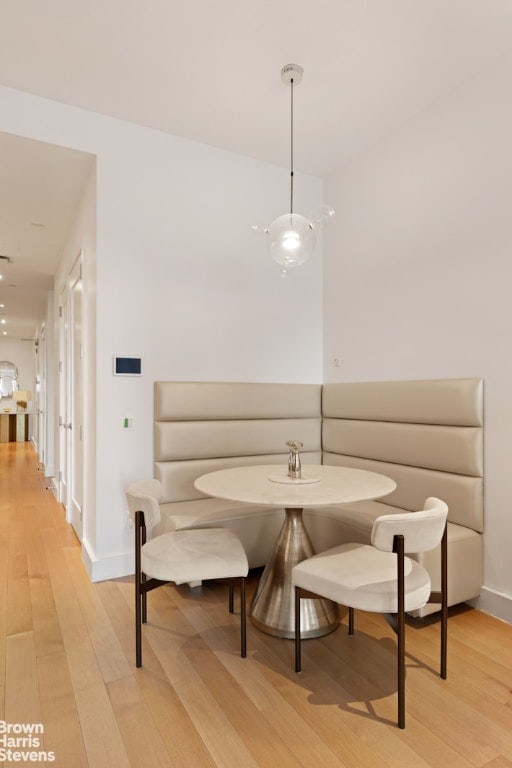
291	148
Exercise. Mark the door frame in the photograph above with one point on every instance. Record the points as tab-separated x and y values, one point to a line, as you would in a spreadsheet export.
71	405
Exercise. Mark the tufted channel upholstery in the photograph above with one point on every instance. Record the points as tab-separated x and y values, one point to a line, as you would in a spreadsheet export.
427	435
201	427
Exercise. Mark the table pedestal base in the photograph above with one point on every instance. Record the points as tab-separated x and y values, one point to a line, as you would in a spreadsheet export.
273	607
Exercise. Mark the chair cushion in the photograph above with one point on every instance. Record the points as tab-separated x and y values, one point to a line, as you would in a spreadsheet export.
193	555
360	576
256	527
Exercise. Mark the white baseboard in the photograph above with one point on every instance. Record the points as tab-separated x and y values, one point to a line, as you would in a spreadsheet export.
113	567
52	486
494	603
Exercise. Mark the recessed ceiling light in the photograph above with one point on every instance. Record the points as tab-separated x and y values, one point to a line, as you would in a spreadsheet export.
5	333
3	321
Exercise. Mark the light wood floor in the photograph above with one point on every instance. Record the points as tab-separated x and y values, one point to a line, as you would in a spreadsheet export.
69	664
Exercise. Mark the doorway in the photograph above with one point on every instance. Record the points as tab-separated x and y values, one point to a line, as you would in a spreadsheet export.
71	406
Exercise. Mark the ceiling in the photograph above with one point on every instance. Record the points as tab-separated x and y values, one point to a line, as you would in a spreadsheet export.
209	70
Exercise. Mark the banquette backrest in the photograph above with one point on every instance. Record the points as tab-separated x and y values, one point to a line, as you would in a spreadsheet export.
204	426
426	435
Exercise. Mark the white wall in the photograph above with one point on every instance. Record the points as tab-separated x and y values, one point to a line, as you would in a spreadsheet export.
418	274
50	386
22	354
81	242
189	287
181	281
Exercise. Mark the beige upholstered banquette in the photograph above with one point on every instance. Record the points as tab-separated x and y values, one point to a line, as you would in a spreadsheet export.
426	435
201	427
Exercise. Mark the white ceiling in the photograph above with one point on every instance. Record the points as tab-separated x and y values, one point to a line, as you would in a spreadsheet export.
209	70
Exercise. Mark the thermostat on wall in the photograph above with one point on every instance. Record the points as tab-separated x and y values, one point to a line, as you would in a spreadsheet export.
127	366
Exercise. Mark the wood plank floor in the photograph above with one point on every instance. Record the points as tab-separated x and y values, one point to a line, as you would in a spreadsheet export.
68	650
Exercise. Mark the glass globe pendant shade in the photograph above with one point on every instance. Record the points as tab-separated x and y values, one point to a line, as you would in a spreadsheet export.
291	240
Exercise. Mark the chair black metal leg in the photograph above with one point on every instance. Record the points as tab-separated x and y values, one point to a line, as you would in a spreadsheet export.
144	602
138	626
401	672
444	603
401	630
351	621
298	660
243	609
139	605
243	620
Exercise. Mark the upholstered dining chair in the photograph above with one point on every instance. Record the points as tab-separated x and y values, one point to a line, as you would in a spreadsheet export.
182	556
381	578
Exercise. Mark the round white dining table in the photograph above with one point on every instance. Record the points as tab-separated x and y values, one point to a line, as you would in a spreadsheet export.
272	608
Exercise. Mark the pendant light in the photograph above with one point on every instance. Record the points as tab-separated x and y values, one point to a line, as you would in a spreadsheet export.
291	238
